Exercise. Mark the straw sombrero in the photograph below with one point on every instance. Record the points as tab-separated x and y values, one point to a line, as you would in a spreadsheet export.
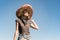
24	7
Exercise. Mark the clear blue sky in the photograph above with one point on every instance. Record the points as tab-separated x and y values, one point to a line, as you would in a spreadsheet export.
46	15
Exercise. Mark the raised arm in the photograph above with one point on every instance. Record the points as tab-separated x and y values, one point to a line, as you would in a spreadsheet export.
16	31
33	24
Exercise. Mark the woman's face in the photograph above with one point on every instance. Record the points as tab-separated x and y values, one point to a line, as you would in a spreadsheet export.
25	15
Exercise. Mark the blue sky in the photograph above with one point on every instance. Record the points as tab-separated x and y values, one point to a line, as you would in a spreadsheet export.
46	15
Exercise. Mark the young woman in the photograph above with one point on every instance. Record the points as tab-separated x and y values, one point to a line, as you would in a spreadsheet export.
24	22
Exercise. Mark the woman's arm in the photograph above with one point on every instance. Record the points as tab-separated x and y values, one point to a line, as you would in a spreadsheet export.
33	24
16	32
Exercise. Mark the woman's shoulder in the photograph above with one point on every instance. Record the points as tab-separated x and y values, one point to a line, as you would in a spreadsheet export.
17	20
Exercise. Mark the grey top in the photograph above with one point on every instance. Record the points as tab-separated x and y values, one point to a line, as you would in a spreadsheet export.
23	26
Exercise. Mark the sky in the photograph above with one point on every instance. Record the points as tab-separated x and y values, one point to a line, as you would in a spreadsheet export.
46	13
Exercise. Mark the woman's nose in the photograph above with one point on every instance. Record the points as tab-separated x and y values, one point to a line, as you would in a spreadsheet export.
26	14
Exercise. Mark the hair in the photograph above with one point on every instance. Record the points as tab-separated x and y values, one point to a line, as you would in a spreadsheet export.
26	7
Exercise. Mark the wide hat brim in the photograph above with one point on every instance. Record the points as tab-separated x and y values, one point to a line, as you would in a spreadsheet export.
25	7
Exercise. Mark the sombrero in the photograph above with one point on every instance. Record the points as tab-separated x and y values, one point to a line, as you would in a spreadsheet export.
24	7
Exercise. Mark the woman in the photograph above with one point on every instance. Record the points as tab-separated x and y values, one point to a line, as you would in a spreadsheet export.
24	22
